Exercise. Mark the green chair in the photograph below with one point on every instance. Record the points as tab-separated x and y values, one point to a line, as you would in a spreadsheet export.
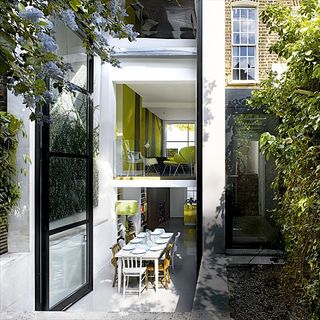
186	156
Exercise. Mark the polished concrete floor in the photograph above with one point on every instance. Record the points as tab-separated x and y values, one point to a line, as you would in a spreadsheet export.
179	296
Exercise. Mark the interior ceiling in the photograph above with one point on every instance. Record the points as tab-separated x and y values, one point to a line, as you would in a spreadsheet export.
168	100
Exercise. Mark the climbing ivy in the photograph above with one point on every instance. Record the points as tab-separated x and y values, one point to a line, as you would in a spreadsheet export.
294	97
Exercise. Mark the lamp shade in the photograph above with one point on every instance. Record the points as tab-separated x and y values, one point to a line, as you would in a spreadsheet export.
126	207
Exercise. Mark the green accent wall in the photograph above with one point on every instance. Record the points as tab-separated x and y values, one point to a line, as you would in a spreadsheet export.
139	125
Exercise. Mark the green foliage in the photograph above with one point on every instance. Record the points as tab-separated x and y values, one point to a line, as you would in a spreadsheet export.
9	189
28	52
294	97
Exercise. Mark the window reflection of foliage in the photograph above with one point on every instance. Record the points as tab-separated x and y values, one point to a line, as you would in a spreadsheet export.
67	187
185	126
68	134
247	129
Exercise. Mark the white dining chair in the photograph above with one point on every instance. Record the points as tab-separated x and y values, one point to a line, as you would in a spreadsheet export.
174	249
132	267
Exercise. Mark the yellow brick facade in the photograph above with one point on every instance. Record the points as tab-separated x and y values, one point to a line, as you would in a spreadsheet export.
265	59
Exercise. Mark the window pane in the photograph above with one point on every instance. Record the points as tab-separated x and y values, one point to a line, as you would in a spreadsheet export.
68	127
236	51
244	38
244	14
243	74
191	132
177	132
243	51
236	62
236	38
251	51
252	14
236	14
73	52
67	191
235	74
252	38
176	145
236	26
243	26
251	26
67	263
243	63
251	74
251	63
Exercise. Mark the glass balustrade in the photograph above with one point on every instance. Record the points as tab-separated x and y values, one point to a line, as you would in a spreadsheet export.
137	158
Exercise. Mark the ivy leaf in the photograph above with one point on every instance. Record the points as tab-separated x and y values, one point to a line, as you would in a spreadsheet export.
75	4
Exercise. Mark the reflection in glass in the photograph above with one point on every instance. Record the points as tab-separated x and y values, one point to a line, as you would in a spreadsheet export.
73	52
68	128
249	196
67	263
163	19
67	191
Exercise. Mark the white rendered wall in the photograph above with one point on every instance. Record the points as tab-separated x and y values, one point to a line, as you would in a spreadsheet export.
17	267
105	224
213	126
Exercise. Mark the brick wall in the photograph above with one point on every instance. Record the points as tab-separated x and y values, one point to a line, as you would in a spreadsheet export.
3	95
265	58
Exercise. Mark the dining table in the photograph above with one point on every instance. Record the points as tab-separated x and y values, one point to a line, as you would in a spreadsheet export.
150	246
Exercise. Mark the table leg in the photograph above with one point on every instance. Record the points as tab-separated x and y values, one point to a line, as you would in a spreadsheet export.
119	274
156	274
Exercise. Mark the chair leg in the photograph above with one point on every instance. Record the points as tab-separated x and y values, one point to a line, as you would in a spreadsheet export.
164	170
147	274
124	286
172	262
139	286
176	169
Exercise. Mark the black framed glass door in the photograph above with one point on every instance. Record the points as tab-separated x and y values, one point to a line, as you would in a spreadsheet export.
64	199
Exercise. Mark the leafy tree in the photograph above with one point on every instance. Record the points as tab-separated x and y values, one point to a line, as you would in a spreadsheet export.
294	97
28	50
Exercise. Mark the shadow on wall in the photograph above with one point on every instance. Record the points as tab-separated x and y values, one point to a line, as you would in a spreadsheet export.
215	230
207	113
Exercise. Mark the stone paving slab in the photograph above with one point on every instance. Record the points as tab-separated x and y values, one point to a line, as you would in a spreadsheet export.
104	316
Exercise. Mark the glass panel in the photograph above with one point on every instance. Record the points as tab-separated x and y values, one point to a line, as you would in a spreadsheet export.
191	132
67	263
176	145
249	196
163	19
67	191
72	51
68	128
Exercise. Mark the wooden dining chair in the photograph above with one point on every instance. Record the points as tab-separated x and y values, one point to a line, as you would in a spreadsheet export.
114	261
164	274
131	236
133	267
